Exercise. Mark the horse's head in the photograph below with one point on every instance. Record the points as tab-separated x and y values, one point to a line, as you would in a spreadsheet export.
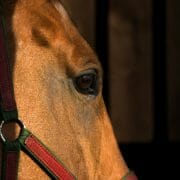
58	89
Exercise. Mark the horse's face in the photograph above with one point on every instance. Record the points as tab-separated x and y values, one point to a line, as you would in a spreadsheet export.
58	82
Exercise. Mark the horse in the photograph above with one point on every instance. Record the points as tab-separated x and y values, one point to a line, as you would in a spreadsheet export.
57	82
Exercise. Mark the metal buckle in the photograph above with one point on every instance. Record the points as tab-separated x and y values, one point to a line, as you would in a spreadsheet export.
17	121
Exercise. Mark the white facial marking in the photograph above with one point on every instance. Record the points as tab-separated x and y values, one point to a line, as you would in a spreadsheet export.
60	8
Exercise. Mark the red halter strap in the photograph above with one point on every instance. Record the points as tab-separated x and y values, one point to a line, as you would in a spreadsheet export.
26	141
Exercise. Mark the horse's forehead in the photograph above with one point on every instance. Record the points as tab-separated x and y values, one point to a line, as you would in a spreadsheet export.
48	25
47	13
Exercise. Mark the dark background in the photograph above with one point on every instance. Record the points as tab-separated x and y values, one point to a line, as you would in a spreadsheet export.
138	44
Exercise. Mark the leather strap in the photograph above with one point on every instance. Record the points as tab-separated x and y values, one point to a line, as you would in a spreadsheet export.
43	156
11	150
8	104
10	160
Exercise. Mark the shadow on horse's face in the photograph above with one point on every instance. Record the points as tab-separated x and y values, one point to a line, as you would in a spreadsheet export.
58	82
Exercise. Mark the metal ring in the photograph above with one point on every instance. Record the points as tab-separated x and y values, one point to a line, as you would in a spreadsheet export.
20	123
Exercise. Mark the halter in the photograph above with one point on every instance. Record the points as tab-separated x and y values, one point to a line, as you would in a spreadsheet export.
26	141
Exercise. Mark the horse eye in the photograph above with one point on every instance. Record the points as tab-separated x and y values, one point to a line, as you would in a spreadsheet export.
87	84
